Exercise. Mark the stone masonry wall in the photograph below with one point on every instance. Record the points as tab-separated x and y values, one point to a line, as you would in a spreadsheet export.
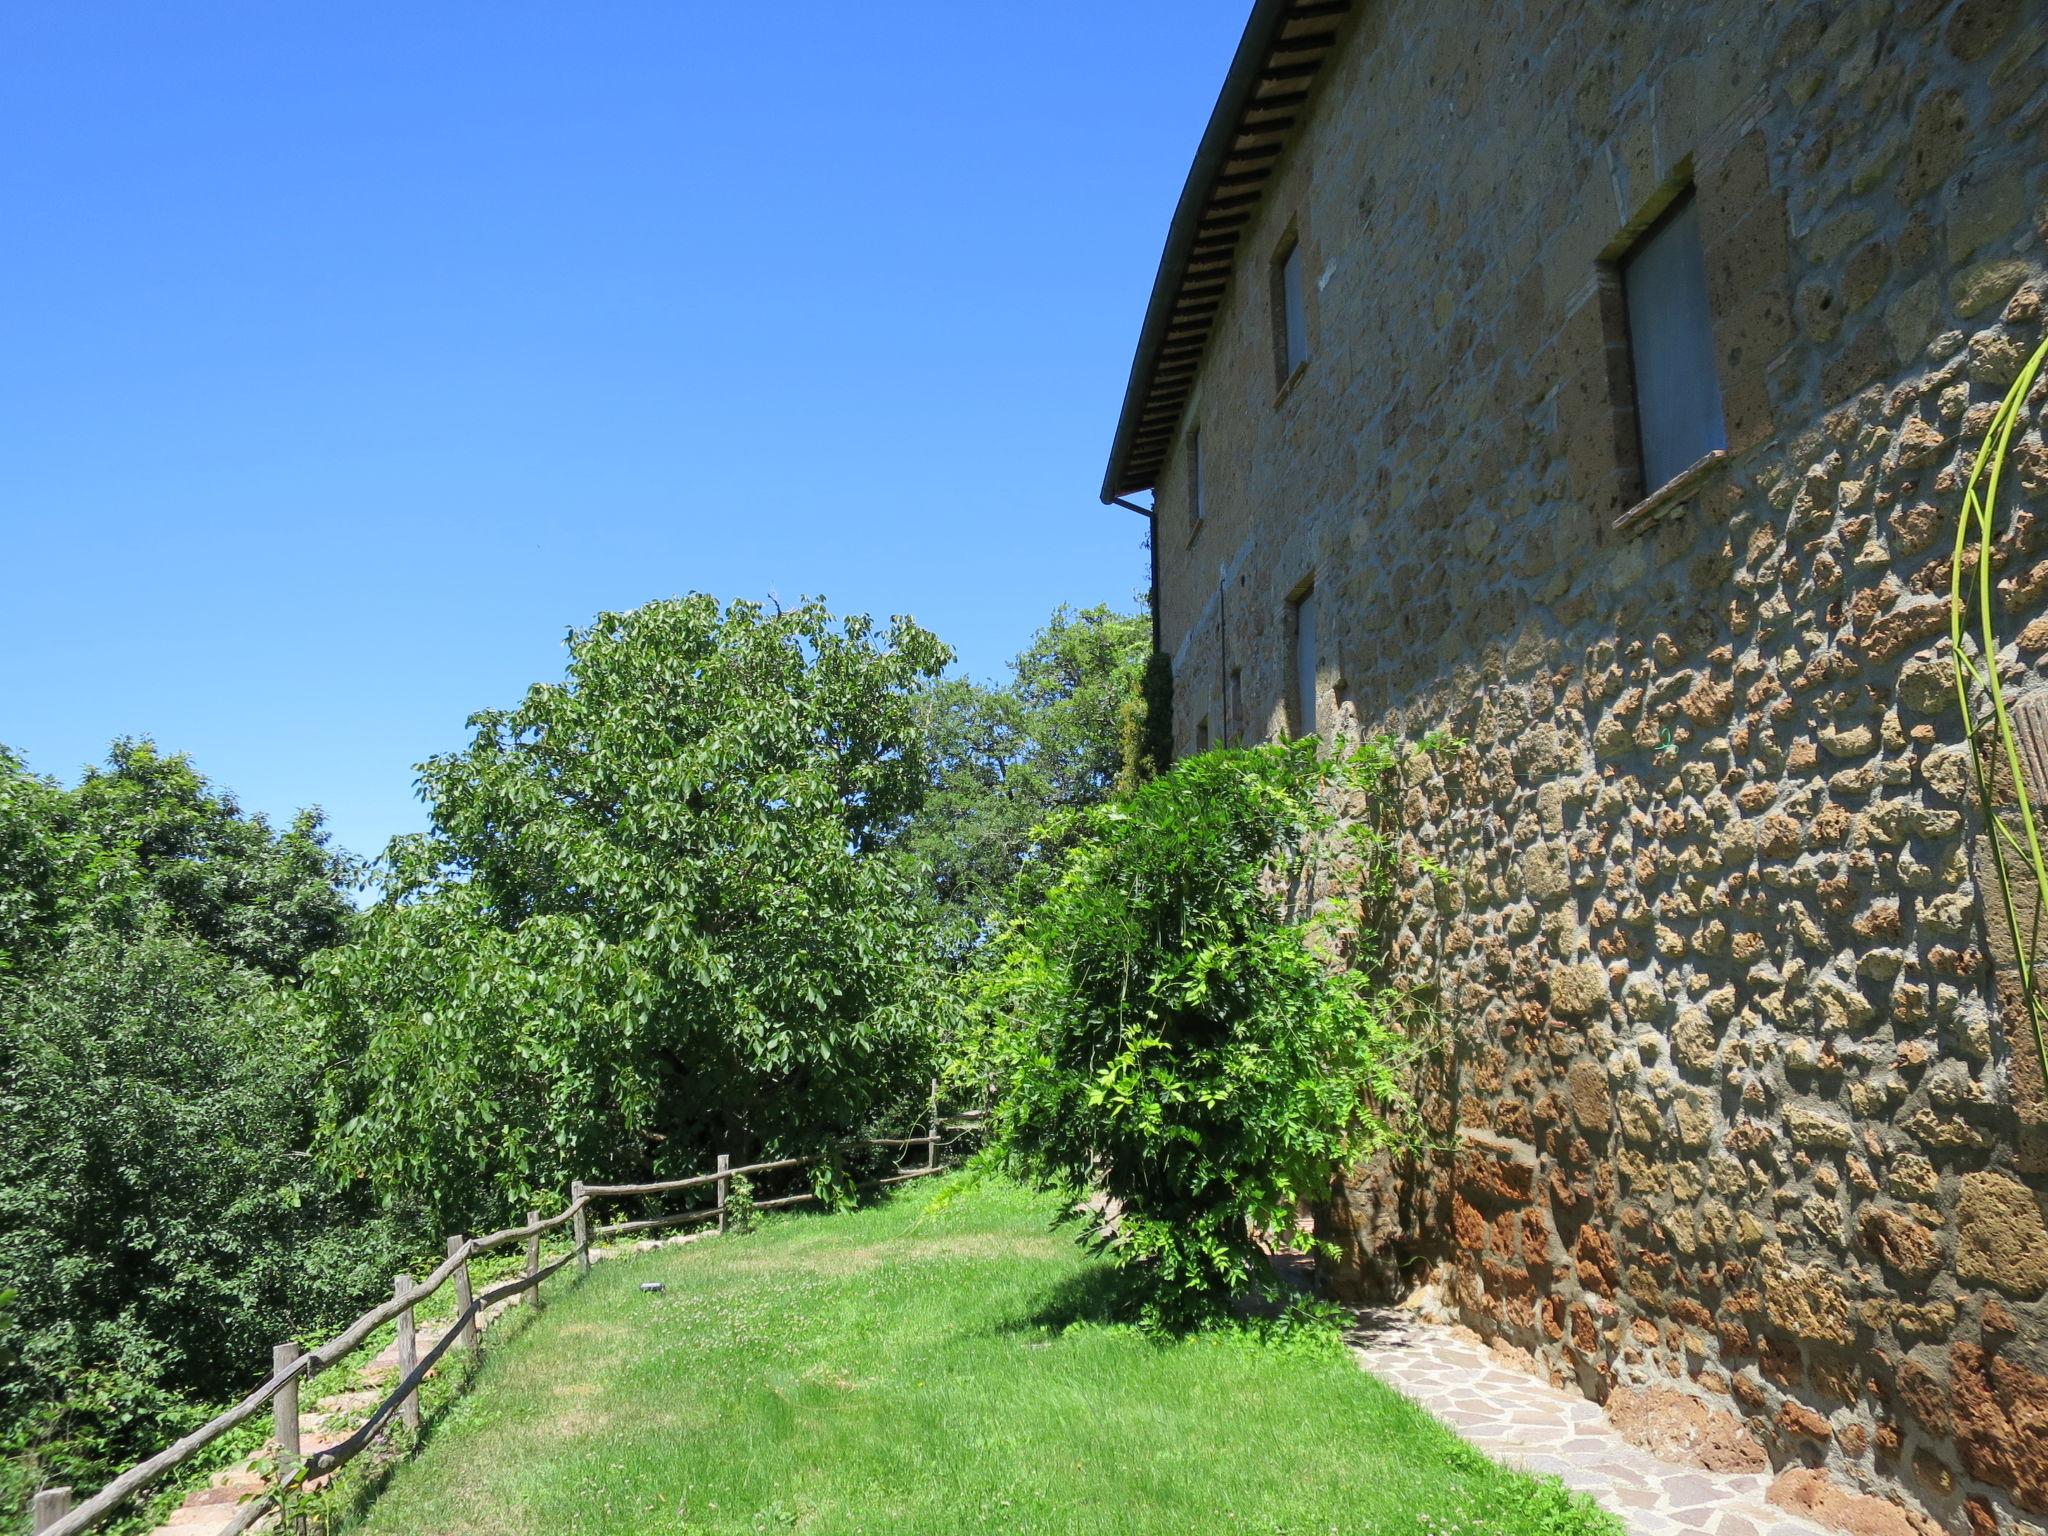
1728	1105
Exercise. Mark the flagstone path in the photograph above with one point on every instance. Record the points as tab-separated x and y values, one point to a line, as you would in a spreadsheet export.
1526	1423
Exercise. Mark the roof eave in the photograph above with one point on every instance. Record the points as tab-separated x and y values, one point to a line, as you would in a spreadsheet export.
1240	85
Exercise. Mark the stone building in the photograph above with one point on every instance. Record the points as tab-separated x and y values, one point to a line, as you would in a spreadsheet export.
1597	382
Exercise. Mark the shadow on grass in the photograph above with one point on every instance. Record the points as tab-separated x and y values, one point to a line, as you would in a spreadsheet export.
1104	1295
1099	1294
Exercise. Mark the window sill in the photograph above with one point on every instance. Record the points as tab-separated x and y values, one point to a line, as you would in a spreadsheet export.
1651	508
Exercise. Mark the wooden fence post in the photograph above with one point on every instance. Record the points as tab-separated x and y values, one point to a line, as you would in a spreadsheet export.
579	1227
931	1148
48	1507
284	1411
408	1355
724	1162
463	1298
533	1263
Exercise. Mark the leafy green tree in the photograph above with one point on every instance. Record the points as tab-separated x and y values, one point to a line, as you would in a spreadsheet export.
1009	762
1169	1047
161	1224
160	1219
147	845
30	809
662	912
1076	679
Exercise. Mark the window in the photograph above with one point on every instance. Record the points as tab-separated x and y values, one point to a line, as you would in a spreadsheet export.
1202	734
1290	310
1195	513
1671	347
1233	709
1304	627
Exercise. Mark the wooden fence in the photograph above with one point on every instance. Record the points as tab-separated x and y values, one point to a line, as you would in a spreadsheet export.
52	1512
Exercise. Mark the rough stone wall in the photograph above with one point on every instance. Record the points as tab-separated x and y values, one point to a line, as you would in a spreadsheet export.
1728	1103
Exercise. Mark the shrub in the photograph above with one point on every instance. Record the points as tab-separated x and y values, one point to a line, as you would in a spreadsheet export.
741	1209
1171	1047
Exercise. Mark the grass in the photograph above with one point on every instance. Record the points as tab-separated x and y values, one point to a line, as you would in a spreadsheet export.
924	1368
151	1509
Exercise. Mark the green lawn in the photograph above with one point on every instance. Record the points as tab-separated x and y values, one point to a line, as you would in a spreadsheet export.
922	1370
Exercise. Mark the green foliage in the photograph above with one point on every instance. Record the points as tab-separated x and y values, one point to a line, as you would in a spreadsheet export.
663	912
1147	725
1169	1047
161	1225
741	1211
1007	760
833	1184
30	818
1555	1510
145	845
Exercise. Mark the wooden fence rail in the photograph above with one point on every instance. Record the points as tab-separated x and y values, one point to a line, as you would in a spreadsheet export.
52	1512
697	1180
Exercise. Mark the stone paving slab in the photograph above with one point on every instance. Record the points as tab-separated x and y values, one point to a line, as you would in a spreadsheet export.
1529	1424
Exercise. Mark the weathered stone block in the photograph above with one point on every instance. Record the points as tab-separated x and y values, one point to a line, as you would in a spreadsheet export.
1809	1303
1487	1174
1978	288
1681	1427
1591	1101
1988	202
2001	1235
1903	1243
1815	1128
2001	1414
1547	872
1578	991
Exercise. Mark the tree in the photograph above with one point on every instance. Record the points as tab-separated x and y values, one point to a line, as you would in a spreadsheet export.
147	845
1009	762
1076	680
662	912
30	810
161	1224
159	1216
1148	725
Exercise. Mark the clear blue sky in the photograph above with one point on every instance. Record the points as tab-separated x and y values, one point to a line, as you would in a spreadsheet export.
352	352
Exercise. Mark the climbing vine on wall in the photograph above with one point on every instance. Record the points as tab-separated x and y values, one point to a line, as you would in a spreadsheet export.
1970	587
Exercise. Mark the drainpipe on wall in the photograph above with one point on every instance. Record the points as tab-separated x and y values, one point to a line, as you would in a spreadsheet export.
1223	650
1151	516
